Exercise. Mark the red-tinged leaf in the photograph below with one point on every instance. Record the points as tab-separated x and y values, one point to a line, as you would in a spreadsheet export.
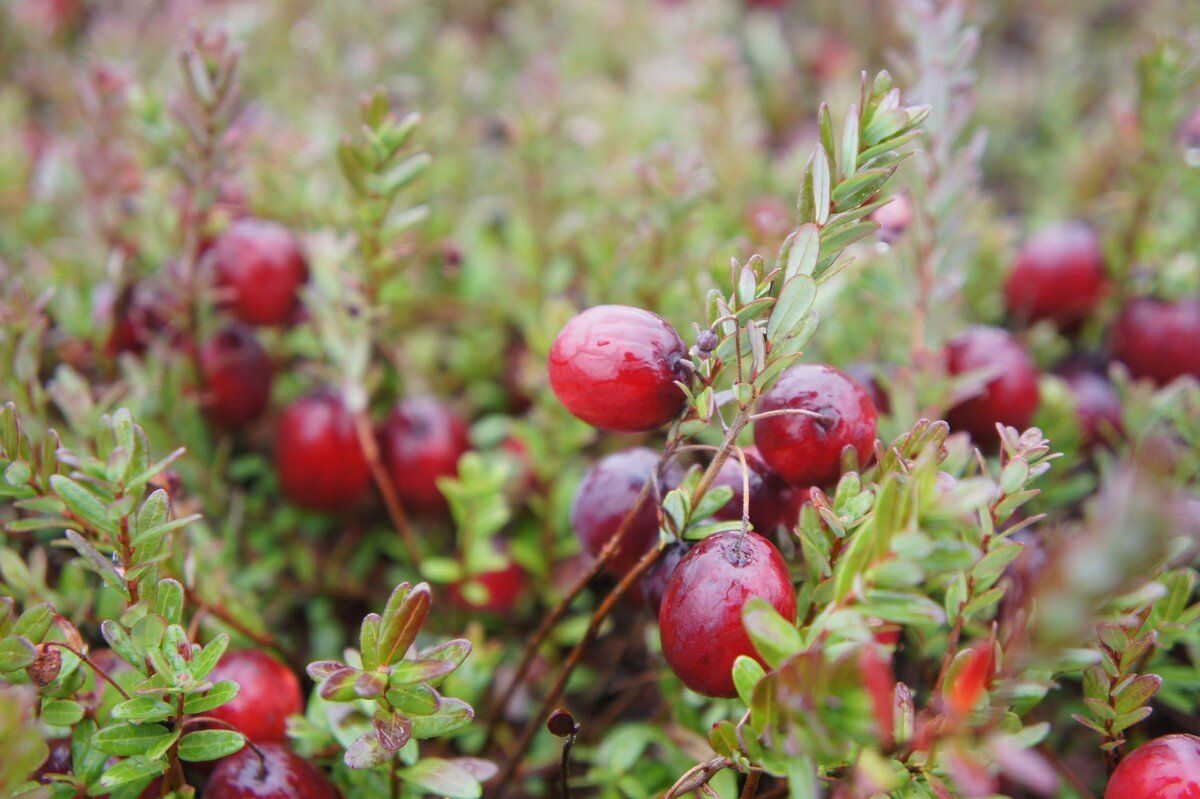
400	627
323	668
366	752
370	684
392	729
881	685
339	686
407	672
971	679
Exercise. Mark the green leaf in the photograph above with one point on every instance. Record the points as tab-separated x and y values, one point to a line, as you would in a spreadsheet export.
746	673
366	752
213	698
452	714
805	249
439	777
209	657
368	640
204	745
795	301
402	620
848	152
35	622
126	740
15	654
61	712
414	700
407	672
83	503
775	638
98	563
455	652
820	186
142	708
120	642
902	608
148	633
130	770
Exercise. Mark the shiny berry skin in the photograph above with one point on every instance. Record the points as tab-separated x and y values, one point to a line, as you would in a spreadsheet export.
1059	275
273	772
1165	768
615	367
771	499
700	620
421	443
655	579
259	270
268	695
236	373
607	493
807	451
1097	403
320	463
1010	397
1156	339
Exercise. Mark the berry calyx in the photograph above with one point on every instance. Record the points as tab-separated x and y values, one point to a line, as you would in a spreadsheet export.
700	620
236	373
421	443
268	694
615	367
771	500
1165	768
805	450
269	771
1156	339
608	493
1059	275
1010	396
259	269
320	463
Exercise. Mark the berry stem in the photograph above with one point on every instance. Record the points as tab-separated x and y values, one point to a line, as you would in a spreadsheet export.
91	665
370	448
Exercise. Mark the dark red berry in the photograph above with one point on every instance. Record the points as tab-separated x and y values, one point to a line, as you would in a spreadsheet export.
259	270
317	454
606	496
1165	768
1097	403
1059	275
236	373
1010	396
806	450
503	587
421	443
615	367
1156	339
137	314
272	771
655	579
701	616
771	500
269	693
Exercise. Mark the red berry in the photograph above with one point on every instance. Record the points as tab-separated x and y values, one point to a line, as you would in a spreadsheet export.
615	367
271	772
1165	768
1157	339
269	693
259	269
504	588
237	373
655	579
771	500
1059	275
701	616
807	451
317	454
1097	403
606	496
1011	395
421	443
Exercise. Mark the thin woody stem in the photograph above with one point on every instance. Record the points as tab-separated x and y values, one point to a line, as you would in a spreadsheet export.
391	500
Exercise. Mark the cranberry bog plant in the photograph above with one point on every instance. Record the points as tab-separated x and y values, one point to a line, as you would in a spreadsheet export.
506	398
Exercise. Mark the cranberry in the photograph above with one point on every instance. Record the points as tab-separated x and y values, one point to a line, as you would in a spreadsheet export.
272	771
1097	403
607	495
701	616
504	588
236	372
805	450
1059	275
259	269
421	443
1009	397
615	367
771	499
317	454
1157	339
137	314
654	581
269	693
1165	768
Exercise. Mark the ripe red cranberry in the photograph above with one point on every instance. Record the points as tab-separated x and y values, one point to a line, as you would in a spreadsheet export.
771	500
701	616
1010	397
1165	768
606	496
237	373
1059	275
1156	339
655	579
1097	403
259	270
317	454
805	450
421	443
269	771
504	588
615	367
269	694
